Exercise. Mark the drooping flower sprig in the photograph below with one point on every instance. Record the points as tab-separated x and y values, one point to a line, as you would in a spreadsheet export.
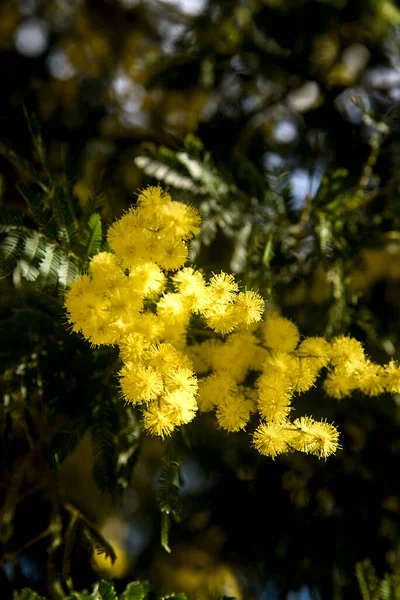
142	298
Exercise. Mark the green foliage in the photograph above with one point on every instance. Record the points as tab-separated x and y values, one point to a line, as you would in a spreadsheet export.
373	588
104	429
168	498
27	594
52	241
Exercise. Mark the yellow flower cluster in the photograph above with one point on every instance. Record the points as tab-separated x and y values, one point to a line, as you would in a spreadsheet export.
142	298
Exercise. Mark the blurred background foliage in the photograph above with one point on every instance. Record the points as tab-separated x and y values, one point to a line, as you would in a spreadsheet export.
279	120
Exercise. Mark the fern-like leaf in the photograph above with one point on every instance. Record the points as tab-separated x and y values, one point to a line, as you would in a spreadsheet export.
11	247
367	580
106	590
38	210
65	217
92	237
136	590
104	429
27	594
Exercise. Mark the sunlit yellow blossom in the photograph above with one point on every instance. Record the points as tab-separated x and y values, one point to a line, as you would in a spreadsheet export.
338	386
280	334
316	348
172	309
181	406
316	437
233	413
275	393
392	377
222	288
347	354
202	355
271	439
182	379
133	346
165	357
221	318
214	389
97	329
370	379
277	361
171	254
157	420
150	326
175	333
140	383
123	304
302	374
249	307
147	279
183	220
192	287
153	198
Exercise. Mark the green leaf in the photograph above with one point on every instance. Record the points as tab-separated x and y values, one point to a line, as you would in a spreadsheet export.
38	210
268	253
97	542
34	129
32	256
178	596
23	165
168	498
9	217
136	590
85	595
65	440
50	266
367	580
104	430
10	250
68	271
27	594
106	590
65	217
92	237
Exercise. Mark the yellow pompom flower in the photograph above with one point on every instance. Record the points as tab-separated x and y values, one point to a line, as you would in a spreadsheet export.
222	288
171	308
271	439
370	379
140	383
182	379
133	347
315	437
347	354
280	334
192	287
182	220
125	305
316	348
249	307
392	377
277	362
151	326
338	386
153	198
147	279
302	374
181	406
171	254
157	420
233	413
164	357
274	397
222	318
214	389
